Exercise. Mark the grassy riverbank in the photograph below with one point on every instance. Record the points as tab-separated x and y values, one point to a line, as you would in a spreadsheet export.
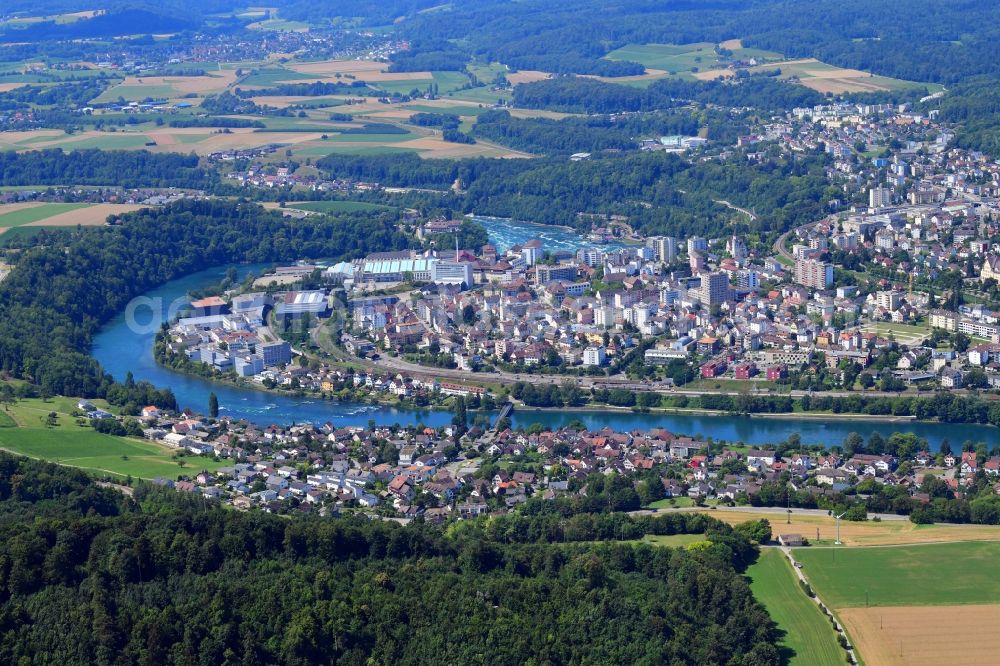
29	428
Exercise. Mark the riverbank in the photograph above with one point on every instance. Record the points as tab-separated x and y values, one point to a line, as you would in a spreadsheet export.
121	349
804	416
375	399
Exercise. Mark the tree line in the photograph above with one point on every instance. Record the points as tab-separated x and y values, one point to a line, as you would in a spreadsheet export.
586	95
88	575
573	135
658	193
124	168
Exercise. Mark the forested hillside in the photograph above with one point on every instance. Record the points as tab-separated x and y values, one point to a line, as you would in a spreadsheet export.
89	576
571	135
121	168
583	95
660	193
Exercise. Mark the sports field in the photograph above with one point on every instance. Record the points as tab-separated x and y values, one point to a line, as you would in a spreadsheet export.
808	635
868	533
69	443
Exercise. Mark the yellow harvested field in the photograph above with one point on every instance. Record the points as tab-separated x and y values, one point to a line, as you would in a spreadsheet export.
649	75
62	139
11	208
711	74
250	139
868	533
284	101
527	76
366	70
732	44
538	113
213	82
392	114
90	216
5	87
437	147
163	139
841	85
12	139
925	635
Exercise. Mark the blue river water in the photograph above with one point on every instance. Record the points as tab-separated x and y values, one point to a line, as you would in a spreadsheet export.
504	233
124	347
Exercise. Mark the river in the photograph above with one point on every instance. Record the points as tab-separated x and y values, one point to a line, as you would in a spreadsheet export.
121	348
505	232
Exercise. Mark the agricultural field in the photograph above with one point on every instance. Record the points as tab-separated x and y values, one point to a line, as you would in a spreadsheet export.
867	533
15	215
69	17
346	71
700	61
663	60
309	136
921	604
925	635
270	20
279	25
823	77
74	445
138	88
37	214
808	638
941	574
338	206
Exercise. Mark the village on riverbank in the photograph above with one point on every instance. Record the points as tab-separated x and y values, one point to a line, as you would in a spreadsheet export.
465	471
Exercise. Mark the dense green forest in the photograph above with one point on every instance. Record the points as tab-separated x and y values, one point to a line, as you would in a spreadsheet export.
920	40
659	193
58	295
583	95
90	576
571	135
315	89
128	169
975	106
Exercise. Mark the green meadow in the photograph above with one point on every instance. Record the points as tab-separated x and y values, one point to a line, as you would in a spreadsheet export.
808	638
28	215
25	430
338	206
924	575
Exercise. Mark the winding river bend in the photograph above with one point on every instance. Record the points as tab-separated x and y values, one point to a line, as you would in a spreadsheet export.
122	348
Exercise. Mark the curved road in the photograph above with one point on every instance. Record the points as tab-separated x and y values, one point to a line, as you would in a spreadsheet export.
753	218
